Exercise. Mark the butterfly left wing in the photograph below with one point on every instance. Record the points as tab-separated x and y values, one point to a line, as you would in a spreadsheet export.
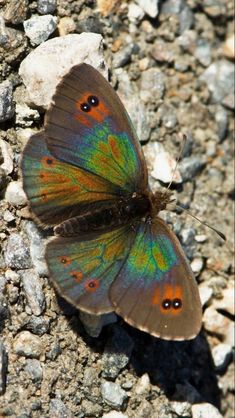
82	269
58	190
155	290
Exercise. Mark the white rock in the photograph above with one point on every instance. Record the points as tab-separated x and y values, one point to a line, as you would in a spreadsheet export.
162	165
135	13
221	354
25	116
197	265
143	385
113	394
28	345
43	68
205	293
150	7
114	414
227	303
39	28
205	410
182	409
201	238
215	322
15	194
7	154
229	47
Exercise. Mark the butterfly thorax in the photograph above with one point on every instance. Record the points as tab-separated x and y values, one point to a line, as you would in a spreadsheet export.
160	200
113	214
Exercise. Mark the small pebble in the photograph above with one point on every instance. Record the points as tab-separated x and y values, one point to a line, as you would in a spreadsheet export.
221	118
219	77
38	325
15	194
33	291
191	166
135	13
66	25
203	52
150	7
182	409
229	47
113	394
114	414
205	410
172	6
227	302
152	85
39	28
28	345
16	11
25	116
201	238
197	265
3	367
162	164
186	18
34	369
229	101
222	354
215	322
59	410
37	248
7	156
46	6
123	56
6	101
205	292
17	252
117	353
143	385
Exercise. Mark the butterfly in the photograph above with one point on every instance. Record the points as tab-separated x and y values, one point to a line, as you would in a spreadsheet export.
86	176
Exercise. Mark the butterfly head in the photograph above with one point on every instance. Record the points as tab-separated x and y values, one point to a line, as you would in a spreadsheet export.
160	200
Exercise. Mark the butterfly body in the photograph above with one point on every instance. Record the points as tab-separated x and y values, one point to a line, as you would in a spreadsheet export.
86	176
124	211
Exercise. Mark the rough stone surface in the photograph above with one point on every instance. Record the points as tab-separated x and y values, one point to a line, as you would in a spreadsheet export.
175	75
6	101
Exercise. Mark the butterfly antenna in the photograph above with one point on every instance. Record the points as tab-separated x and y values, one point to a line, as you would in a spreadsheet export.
178	159
221	235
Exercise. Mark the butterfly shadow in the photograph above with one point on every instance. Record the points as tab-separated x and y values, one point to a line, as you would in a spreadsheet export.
183	370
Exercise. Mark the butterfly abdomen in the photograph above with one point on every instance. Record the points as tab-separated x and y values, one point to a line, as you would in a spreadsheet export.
113	215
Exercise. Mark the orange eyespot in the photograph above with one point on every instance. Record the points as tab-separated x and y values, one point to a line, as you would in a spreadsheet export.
65	260
92	285
48	161
77	275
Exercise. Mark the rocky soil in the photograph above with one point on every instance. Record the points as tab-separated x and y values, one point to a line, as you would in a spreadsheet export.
172	63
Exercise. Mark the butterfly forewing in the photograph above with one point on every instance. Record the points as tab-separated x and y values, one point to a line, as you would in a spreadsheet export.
88	127
57	190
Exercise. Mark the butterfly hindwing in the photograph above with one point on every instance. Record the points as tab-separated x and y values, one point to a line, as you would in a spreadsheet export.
155	290
88	127
82	270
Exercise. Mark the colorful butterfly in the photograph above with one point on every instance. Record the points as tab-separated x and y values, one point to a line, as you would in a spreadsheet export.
85	174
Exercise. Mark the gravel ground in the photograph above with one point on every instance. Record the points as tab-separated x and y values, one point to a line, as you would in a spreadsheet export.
172	63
